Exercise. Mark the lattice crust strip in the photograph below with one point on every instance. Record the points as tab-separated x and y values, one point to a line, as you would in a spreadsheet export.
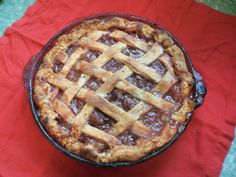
97	99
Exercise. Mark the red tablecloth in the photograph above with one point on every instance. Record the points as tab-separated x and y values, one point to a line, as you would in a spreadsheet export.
208	36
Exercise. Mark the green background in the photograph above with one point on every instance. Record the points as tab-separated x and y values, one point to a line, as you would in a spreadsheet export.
10	10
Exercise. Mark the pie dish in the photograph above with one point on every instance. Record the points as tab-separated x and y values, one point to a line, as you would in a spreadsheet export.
113	90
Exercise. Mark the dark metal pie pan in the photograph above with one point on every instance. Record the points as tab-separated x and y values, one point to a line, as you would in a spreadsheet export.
32	67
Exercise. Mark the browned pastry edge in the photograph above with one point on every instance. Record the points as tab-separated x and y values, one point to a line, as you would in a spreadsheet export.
44	92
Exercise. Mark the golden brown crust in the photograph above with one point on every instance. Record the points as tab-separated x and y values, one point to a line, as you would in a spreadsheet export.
48	84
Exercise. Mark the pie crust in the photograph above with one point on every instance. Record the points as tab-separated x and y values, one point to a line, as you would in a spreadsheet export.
113	90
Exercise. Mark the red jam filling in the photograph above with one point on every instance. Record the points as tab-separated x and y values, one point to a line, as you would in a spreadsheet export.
138	35
101	120
152	119
71	49
122	99
174	94
113	65
57	66
132	52
141	37
105	39
90	55
59	94
100	146
158	67
141	82
76	105
73	75
128	138
93	83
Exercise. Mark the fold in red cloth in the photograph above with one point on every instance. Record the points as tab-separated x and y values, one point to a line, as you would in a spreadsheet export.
208	36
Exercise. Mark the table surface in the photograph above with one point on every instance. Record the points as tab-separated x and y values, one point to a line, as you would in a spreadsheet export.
12	10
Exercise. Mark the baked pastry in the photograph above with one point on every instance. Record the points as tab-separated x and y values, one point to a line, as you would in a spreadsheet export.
113	90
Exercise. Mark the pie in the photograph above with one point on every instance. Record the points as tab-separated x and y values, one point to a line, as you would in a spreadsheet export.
114	90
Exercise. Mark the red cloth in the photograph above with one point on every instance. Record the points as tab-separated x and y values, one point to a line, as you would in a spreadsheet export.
208	36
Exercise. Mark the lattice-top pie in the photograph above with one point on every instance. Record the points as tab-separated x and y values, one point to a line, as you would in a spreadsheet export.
113	90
